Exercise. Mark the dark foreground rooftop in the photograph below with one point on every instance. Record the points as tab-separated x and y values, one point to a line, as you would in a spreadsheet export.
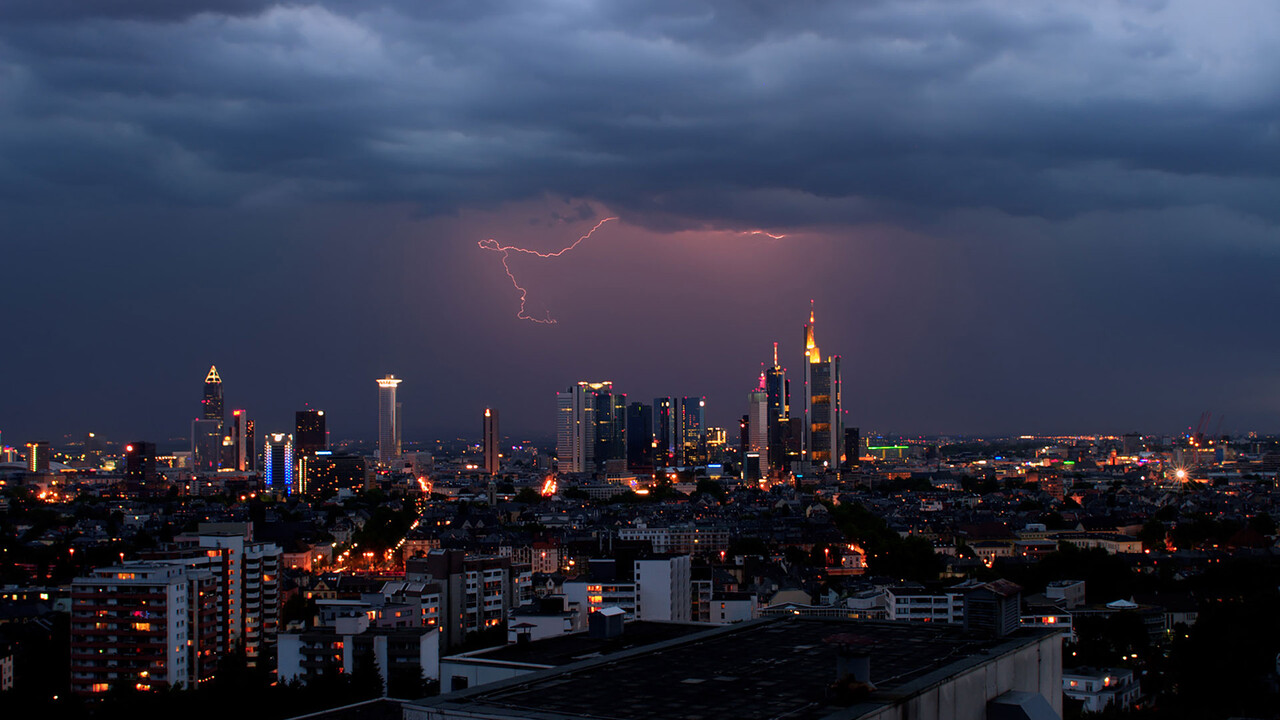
568	649
756	670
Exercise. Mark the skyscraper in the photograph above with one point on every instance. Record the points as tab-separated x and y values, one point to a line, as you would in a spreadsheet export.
823	419
38	456
388	419
251	449
666	412
277	464
242	440
617	448
758	424
206	445
693	431
309	435
776	390
491	442
140	468
212	401
640	437
585	426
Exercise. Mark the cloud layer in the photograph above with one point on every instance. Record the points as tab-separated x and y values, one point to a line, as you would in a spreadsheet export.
682	114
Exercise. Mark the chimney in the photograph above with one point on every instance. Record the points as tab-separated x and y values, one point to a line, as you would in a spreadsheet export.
854	664
853	659
605	623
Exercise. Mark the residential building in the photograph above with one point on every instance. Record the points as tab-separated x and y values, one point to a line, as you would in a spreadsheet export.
411	652
143	626
1100	688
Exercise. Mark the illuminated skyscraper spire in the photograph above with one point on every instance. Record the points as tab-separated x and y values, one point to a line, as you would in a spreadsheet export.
212	401
810	345
822	403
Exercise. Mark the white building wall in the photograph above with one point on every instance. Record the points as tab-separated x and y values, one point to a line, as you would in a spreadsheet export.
480	673
664	589
176	635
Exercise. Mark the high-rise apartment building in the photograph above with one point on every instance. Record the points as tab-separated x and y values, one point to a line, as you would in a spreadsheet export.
212	401
823	419
492	443
277	464
388	419
309	432
476	591
247	573
143	626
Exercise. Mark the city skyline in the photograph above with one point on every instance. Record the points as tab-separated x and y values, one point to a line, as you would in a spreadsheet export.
1048	220
771	378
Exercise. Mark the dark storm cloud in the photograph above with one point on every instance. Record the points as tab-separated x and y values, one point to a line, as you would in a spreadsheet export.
684	114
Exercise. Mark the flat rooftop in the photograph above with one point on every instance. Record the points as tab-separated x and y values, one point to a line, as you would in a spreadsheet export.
567	649
750	671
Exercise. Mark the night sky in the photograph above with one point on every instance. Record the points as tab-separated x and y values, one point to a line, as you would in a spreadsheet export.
1013	217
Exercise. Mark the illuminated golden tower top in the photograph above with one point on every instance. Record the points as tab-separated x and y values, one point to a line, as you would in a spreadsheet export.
811	346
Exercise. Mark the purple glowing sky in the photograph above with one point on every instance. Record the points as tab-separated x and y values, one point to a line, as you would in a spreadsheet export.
1012	218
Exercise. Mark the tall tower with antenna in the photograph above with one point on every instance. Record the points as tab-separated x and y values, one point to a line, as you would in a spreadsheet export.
822	403
212	402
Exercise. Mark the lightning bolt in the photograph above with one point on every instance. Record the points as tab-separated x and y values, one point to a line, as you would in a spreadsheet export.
506	251
763	232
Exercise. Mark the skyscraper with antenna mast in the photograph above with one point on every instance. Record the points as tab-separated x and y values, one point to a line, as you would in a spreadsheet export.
777	411
822	412
212	402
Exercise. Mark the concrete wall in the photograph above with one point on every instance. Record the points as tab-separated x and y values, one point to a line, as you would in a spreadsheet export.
480	673
1036	668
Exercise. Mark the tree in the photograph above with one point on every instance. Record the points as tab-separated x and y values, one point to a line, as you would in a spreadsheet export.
1152	535
707	486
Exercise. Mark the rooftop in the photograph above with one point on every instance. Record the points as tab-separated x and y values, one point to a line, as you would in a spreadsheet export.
759	669
567	649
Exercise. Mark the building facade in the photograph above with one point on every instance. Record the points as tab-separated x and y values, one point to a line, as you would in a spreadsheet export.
143	626
823	414
389	420
492	443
